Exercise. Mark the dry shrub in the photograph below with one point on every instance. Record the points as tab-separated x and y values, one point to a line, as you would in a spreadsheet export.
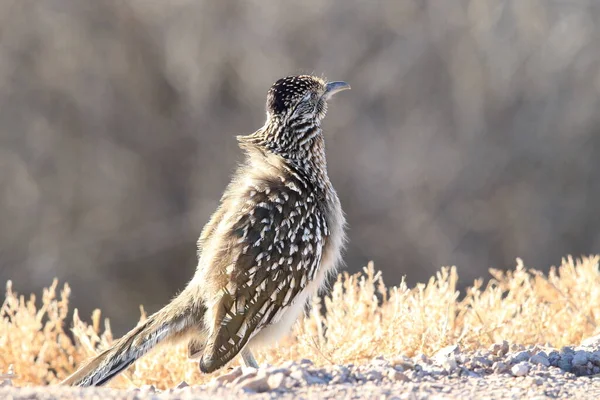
363	319
32	339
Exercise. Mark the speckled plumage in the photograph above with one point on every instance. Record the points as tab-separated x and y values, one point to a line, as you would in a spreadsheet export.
277	233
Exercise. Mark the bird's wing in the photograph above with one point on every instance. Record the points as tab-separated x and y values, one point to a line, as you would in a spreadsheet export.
275	248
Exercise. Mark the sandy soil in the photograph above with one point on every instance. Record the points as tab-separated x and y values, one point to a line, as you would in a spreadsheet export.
491	387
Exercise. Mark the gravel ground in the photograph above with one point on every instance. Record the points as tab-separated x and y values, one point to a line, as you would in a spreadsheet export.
501	372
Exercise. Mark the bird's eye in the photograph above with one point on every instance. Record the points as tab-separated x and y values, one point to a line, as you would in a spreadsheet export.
305	104
309	98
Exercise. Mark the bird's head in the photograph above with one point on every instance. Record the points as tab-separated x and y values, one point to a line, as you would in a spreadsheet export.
295	107
296	99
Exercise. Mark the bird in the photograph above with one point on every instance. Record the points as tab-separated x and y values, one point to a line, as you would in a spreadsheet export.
276	236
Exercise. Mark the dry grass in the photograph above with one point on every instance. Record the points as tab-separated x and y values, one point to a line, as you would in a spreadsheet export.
364	319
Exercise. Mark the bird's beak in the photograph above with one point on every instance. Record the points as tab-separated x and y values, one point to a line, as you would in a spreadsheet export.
333	87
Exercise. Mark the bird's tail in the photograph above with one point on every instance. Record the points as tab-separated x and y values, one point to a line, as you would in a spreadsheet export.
179	319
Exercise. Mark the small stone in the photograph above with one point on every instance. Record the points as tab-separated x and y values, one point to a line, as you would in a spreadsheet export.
257	384
421	358
148	389
466	372
570	375
186	391
516	347
249	370
446	357
288	364
230	376
339	374
397	376
567	350
593	341
539	359
499	367
6	383
520	369
374	376
482	361
276	381
340	370
284	371
237	381
301	376
306	361
580	358
402	362
520	357
313	380
462	358
413	374
499	349
449	364
553	360
181	385
380	362
446	351
564	362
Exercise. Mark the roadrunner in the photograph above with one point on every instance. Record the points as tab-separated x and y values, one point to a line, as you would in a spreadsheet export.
276	235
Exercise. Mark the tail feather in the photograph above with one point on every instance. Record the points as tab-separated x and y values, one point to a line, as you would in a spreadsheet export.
177	320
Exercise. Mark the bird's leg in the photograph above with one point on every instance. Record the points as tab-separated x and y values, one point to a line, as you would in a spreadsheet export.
249	360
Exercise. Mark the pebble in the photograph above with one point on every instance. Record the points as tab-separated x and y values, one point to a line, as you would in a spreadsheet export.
448	350
249	370
402	363
244	377
519	357
276	381
580	358
230	376
339	375
541	365
500	367
482	361
499	349
6	382
540	359
446	358
182	385
397	376
564	362
380	362
148	389
421	358
520	369
304	377
374	376
593	341
258	384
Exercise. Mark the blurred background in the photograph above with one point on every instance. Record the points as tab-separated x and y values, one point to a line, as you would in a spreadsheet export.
470	136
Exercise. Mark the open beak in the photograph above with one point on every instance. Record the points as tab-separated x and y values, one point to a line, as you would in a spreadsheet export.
333	87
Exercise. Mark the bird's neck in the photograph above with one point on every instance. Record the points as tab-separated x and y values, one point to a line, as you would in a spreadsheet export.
305	151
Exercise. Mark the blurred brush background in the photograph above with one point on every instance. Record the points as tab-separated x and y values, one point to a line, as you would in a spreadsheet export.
470	135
